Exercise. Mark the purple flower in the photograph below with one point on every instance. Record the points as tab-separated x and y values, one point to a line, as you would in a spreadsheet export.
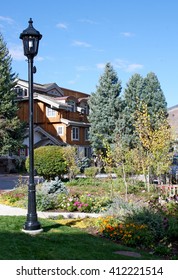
76	203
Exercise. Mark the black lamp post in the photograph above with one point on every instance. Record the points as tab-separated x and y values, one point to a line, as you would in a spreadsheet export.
31	38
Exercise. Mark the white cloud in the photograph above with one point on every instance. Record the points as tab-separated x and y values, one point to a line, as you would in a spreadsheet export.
123	65
100	65
7	20
16	52
126	66
127	34
62	26
75	80
81	44
134	67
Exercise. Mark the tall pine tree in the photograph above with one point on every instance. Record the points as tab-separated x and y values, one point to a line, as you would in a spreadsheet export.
11	129
153	97
105	106
125	125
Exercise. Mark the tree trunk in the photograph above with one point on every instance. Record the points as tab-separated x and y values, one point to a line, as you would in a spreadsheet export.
125	182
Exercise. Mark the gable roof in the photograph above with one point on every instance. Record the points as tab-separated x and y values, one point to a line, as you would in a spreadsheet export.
46	138
43	88
53	102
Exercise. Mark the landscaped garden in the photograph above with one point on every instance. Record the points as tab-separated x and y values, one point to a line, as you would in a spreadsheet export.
138	223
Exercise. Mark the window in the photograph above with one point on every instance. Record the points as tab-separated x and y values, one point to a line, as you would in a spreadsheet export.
25	92
19	91
50	112
73	105
60	130
86	109
86	134
75	133
87	152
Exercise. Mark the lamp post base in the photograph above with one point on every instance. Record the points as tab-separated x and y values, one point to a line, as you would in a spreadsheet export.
33	232
32	223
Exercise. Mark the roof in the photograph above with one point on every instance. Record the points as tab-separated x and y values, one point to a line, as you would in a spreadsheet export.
52	101
49	86
76	94
47	138
74	123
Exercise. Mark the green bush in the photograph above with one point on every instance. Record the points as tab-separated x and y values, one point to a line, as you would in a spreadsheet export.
49	162
91	171
121	208
153	219
45	201
83	163
55	186
172	229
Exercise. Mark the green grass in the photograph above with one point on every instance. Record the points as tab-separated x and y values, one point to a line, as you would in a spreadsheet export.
56	242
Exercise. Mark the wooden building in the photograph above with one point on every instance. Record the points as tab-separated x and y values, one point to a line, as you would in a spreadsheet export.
60	116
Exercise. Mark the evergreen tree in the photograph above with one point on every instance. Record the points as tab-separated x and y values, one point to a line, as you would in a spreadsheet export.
125	125
105	106
153	97
11	129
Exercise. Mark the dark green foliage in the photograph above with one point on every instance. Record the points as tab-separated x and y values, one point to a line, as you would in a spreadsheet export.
83	163
44	201
154	220
49	162
147	90
125	125
11	129
153	97
105	107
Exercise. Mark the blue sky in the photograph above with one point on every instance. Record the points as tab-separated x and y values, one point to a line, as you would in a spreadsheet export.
81	36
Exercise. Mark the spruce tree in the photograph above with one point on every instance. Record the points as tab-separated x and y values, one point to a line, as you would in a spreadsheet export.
11	129
125	125
105	106
153	97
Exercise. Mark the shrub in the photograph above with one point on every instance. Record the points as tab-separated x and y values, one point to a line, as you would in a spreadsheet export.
45	201
121	208
55	186
172	228
91	171
49	162
101	204
70	154
154	220
83	163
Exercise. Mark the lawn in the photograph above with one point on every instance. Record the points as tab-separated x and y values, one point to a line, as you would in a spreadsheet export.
138	222
56	242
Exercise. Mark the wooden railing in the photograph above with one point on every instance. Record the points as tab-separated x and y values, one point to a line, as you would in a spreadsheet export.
168	190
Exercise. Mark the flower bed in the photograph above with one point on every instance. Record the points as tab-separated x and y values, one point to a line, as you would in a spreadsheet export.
128	233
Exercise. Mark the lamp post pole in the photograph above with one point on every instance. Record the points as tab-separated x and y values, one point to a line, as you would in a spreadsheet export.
31	37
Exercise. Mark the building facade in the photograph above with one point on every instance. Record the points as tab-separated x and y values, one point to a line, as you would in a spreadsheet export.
60	116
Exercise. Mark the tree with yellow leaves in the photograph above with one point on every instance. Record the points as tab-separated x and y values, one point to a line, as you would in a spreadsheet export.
154	142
